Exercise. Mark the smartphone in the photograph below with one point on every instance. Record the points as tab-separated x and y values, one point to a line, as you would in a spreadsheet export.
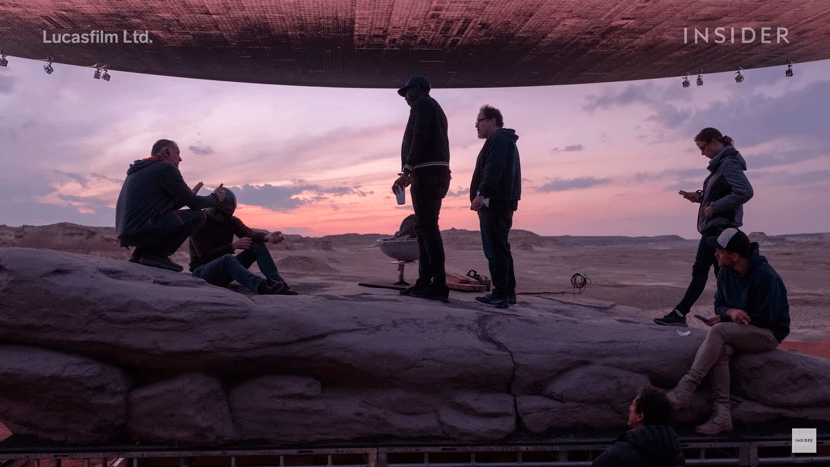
702	318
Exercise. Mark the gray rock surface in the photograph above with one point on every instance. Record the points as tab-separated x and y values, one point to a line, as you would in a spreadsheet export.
181	409
61	397
339	367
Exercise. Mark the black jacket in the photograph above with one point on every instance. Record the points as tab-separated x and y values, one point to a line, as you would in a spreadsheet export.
498	174
214	239
647	446
151	192
425	142
760	293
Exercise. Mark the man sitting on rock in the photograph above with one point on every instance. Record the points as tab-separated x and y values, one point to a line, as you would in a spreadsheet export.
752	316
147	214
212	248
651	442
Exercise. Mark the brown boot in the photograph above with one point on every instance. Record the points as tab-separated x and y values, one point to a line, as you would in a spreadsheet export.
720	422
681	396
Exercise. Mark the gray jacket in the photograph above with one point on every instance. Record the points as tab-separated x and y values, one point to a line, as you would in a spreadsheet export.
726	189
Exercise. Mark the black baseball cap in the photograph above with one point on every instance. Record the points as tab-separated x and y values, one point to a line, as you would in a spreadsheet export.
417	80
732	240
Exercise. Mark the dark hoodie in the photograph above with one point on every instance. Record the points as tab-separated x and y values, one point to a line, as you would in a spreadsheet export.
760	293
726	189
647	446
151	192
498	174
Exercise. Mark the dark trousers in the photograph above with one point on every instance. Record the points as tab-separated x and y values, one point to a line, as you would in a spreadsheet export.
704	259
225	269
427	193
495	223
172	229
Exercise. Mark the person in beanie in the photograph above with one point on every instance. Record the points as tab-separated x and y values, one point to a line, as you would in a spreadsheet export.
651	442
724	193
425	162
752	315
212	252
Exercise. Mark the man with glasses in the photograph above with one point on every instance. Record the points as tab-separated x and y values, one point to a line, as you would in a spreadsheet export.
495	191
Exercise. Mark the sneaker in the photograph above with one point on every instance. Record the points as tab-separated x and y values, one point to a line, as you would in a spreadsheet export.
419	285
511	298
269	287
287	290
675	318
433	291
137	253
158	261
497	301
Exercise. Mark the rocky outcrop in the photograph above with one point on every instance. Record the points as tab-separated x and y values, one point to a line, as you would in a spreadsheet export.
160	357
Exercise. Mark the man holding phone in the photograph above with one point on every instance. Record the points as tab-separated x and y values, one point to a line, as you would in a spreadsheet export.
752	315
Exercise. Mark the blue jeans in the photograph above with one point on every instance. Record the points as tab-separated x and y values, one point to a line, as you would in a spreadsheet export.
495	223
704	260
427	191
222	271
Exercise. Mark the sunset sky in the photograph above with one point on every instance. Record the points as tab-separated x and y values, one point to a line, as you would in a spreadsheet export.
602	159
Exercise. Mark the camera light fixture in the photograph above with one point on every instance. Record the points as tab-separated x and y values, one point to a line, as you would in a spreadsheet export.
686	82
48	67
105	76
3	61
789	72
739	75
699	79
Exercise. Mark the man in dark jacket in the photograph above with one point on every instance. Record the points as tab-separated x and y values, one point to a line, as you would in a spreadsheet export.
494	193
425	161
148	214
651	442
752	315
212	248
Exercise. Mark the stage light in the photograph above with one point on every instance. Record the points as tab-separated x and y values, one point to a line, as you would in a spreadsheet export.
789	72
48	67
97	74
699	79
105	76
740	75
3	61
686	83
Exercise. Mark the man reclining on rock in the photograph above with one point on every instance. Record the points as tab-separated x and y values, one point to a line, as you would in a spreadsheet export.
212	248
651	442
753	315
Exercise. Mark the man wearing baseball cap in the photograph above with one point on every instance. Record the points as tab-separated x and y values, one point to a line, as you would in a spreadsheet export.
425	162
752	315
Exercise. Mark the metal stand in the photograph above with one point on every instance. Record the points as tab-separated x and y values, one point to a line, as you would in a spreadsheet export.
401	265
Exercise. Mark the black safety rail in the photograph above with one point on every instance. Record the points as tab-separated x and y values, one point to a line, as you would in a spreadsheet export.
750	453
